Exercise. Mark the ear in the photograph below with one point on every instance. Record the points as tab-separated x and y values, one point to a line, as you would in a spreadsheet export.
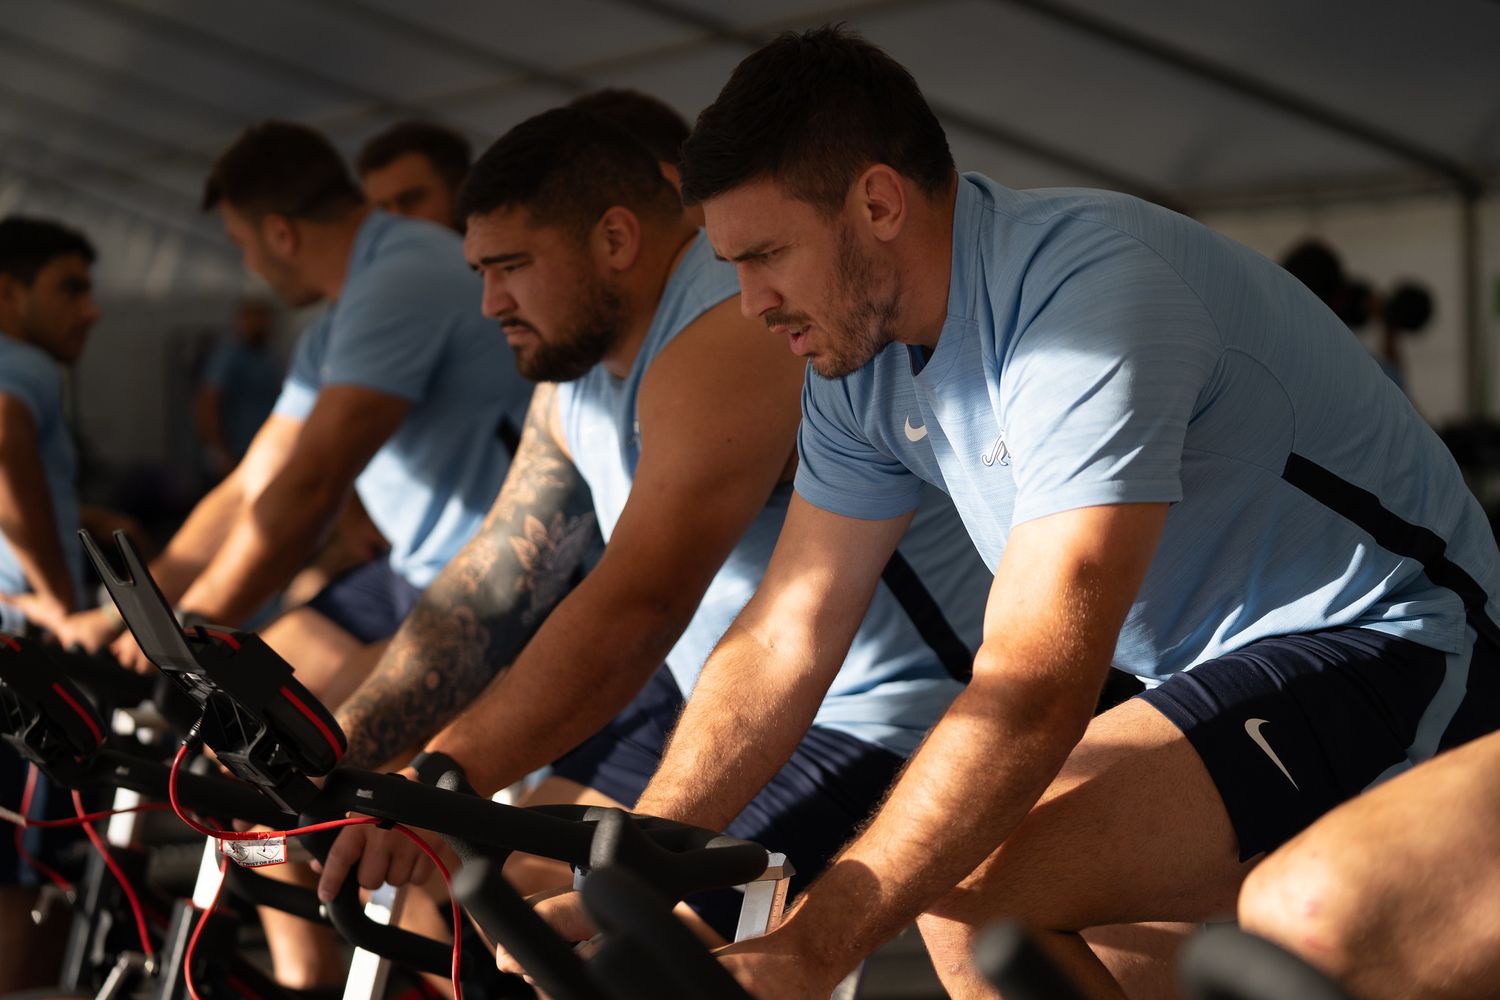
617	238
279	234
879	197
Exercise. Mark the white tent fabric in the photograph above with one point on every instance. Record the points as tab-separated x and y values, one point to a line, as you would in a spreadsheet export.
112	110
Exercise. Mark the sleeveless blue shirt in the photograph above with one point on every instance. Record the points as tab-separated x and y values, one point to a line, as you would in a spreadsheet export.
893	685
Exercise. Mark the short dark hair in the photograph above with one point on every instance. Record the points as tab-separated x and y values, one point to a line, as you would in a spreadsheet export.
811	111
651	121
568	167
29	244
448	151
282	168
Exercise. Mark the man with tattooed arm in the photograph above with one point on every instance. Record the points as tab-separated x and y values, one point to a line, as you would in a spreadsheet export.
680	416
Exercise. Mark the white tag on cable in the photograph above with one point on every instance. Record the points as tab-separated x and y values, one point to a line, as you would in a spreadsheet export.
257	853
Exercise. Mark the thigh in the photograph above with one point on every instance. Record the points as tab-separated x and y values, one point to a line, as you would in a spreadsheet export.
1132	830
315	647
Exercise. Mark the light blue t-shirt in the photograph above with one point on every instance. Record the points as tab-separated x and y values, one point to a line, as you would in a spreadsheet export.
30	375
408	323
249	380
1101	350
893	686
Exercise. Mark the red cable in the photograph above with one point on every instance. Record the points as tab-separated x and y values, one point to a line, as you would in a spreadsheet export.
187	968
50	824
297	832
135	903
36	864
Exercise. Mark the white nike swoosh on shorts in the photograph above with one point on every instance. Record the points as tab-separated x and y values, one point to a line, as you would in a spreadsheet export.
1252	729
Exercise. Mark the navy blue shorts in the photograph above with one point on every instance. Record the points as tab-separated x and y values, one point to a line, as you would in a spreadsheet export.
1292	726
808	811
369	601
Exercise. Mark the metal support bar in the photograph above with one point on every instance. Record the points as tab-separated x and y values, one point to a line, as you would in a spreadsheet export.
368	972
765	899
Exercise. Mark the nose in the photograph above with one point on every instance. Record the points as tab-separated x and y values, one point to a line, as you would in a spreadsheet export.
91	312
756	296
497	300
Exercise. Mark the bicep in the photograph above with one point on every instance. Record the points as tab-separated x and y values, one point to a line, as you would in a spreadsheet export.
718	417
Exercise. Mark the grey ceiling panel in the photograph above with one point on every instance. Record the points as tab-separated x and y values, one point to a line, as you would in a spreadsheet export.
488	116
98	32
1430	71
1011	66
688	80
557	33
372	61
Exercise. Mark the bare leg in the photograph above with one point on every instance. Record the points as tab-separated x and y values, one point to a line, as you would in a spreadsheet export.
1396	893
303	955
1131	831
314	646
1141	957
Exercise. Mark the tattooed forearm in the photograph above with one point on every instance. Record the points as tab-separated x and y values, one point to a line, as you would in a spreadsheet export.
484	606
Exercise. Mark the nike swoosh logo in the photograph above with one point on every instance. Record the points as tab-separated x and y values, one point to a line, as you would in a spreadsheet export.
915	434
1252	729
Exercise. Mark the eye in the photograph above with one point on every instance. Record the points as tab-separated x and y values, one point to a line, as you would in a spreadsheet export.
512	268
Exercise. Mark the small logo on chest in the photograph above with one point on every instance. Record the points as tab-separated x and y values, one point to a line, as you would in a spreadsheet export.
998	453
915	434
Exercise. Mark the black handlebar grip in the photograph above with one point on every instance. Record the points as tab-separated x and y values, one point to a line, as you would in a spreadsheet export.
508	919
1226	963
639	921
284	896
720	862
1013	962
347	914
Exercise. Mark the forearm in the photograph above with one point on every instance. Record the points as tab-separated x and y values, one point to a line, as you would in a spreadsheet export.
469	626
30	527
728	745
200	536
591	656
267	543
973	780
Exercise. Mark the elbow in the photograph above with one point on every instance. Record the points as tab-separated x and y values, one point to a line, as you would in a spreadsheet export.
310	501
1055	699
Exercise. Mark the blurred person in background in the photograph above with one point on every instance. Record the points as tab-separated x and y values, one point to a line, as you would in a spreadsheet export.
415	169
238	387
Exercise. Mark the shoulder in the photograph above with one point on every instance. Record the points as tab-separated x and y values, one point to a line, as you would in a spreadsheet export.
30	375
411	262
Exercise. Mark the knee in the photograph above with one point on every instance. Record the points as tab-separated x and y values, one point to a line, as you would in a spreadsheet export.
1310	903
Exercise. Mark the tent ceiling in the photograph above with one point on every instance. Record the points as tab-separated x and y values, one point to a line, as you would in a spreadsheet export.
1190	101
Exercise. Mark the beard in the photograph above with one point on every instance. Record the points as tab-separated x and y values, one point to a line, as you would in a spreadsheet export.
573	352
868	325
